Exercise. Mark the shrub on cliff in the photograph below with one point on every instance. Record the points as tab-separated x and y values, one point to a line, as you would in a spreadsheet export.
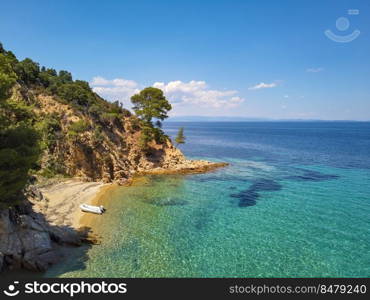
50	130
76	128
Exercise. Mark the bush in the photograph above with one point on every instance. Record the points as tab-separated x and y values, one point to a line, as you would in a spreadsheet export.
149	134
48	77
65	76
110	117
6	82
53	169
97	136
49	128
95	110
28	71
145	138
79	126
73	93
76	128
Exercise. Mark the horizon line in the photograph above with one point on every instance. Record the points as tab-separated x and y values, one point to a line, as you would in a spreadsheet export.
251	119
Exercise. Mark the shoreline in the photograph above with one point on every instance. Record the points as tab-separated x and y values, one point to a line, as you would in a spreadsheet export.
100	198
51	219
186	167
62	199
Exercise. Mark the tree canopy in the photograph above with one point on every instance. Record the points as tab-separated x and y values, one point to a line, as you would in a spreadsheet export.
7	75
19	148
151	103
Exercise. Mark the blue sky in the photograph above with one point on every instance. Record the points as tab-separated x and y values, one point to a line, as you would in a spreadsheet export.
260	59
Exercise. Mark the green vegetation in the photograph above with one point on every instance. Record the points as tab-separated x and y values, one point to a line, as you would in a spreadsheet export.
98	134
19	147
180	138
50	130
19	152
23	135
150	104
76	93
28	71
7	75
26	130
79	127
76	128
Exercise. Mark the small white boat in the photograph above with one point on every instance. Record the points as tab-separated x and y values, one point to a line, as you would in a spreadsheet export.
92	209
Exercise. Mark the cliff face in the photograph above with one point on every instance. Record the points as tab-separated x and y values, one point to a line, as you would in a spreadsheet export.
104	149
101	148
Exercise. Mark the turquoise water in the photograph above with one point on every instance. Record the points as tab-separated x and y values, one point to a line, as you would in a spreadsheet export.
294	202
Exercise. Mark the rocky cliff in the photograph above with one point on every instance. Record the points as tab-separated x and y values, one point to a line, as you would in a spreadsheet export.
105	148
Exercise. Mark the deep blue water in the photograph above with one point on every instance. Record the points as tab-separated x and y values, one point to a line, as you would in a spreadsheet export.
294	202
335	144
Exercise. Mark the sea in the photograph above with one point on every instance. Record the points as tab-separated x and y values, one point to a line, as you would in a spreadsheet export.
293	202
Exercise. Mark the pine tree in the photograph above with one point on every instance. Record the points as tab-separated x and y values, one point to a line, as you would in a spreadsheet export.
180	138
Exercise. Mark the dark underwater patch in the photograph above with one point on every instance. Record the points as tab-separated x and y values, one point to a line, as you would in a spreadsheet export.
167	201
203	178
266	185
250	196
246	198
309	175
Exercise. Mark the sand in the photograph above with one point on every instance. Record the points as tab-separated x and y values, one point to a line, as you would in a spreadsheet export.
63	200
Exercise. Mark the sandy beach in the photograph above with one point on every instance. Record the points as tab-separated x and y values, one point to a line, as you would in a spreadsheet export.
62	198
61	205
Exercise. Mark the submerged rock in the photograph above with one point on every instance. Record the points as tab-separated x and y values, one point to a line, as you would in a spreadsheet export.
250	196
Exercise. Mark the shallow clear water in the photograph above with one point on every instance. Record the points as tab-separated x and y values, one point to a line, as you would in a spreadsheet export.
294	202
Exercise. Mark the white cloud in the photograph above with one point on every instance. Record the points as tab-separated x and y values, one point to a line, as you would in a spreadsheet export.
197	93
314	70
186	97
98	80
116	89
263	85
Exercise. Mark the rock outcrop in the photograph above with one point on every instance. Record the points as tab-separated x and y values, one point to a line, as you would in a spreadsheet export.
109	151
185	167
28	241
